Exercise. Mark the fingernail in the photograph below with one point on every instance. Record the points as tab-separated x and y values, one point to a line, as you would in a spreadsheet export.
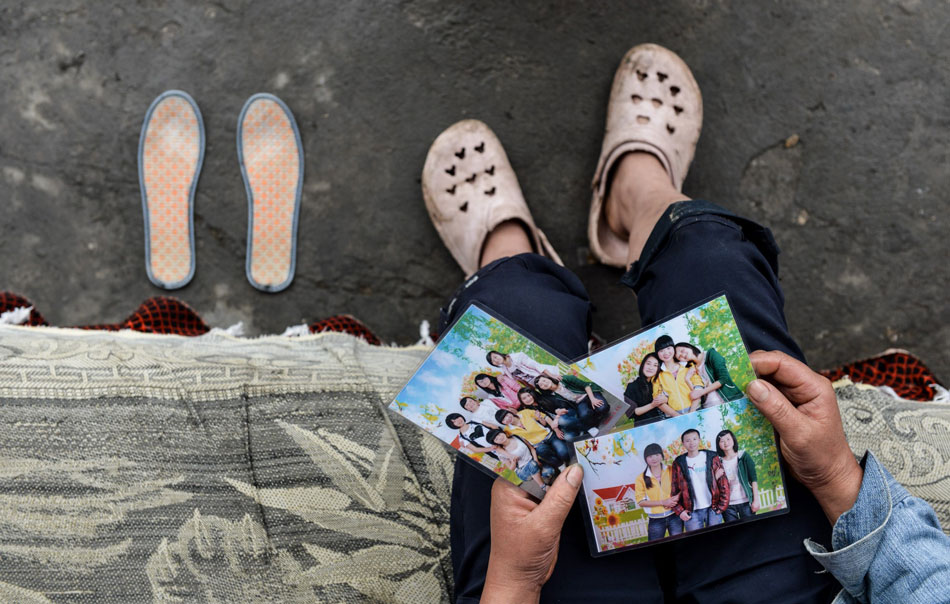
575	474
757	391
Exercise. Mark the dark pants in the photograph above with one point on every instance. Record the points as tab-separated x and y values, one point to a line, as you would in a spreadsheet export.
572	426
658	527
590	415
737	512
696	250
552	451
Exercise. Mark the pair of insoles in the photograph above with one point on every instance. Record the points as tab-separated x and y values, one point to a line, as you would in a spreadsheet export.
171	152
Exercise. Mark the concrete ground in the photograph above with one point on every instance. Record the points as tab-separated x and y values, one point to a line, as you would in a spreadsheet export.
858	204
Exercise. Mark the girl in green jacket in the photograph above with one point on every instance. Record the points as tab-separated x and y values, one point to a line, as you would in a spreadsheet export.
711	367
743	483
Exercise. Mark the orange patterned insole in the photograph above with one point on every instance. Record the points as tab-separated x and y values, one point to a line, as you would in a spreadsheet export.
170	158
272	169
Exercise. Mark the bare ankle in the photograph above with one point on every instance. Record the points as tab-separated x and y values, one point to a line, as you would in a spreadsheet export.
509	238
639	192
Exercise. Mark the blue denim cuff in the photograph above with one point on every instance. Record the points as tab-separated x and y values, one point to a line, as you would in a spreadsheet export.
858	532
888	547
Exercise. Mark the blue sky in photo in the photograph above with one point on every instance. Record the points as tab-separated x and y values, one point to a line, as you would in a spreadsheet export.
436	387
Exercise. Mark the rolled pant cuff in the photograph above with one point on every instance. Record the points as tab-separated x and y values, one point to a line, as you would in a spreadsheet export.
698	250
684	213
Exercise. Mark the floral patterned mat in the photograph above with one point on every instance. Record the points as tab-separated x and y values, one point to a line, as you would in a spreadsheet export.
147	468
141	468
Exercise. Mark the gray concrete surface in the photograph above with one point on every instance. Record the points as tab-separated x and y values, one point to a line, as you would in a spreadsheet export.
858	205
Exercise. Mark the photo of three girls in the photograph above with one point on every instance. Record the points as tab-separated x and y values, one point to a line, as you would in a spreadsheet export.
526	414
699	489
678	378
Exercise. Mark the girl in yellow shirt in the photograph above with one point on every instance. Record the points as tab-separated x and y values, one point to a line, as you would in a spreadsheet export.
652	491
674	380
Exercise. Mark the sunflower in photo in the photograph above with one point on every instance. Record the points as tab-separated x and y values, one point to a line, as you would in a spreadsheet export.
613	519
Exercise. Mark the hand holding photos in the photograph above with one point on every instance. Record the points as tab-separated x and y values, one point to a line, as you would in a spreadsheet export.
522	562
691	454
813	441
695	452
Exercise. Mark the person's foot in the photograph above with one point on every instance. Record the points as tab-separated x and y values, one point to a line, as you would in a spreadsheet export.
654	118
639	191
509	238
474	200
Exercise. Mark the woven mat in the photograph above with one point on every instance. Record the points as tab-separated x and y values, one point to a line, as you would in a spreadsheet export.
145	468
141	468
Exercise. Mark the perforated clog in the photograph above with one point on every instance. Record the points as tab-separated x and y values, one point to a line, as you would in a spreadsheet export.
655	106
470	188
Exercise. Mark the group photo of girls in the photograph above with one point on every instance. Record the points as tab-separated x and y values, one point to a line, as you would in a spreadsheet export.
677	378
694	361
689	473
501	399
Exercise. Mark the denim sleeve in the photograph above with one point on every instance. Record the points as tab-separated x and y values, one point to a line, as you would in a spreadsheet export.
888	547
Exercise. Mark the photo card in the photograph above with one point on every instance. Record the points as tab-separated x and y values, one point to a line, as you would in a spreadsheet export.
642	368
504	401
693	454
670	479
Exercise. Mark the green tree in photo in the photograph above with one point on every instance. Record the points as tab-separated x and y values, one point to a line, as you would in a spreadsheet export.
487	334
757	437
505	339
715	327
470	329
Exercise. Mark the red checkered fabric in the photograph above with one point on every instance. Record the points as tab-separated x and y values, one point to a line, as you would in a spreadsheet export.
171	316
155	315
345	324
10	301
899	369
160	315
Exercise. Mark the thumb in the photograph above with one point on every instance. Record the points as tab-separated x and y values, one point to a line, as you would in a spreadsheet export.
774	406
560	497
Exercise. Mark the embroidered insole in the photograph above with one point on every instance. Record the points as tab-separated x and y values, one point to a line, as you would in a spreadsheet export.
171	150
271	157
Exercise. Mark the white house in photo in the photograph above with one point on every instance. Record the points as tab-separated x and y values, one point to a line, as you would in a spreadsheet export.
618	499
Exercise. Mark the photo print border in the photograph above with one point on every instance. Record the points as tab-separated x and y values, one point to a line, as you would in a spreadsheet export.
614	462
433	396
